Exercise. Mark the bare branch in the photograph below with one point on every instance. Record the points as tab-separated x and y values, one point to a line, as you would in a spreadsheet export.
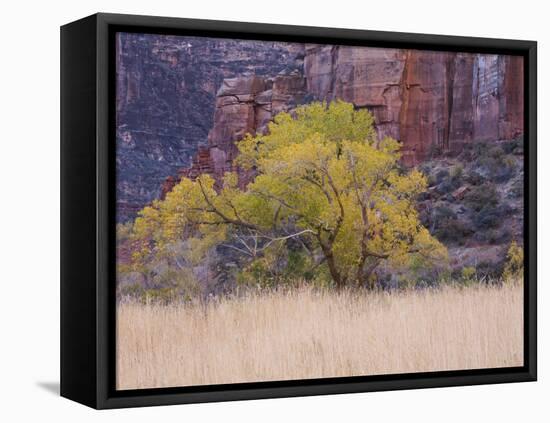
237	248
276	217
245	245
377	255
297	234
204	222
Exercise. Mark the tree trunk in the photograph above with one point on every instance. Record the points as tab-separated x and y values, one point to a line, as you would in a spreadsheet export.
336	276
368	272
364	273
329	257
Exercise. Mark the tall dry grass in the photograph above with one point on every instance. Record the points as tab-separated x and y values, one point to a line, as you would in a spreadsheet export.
309	334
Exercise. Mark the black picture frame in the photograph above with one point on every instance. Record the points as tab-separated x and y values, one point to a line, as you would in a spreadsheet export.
88	224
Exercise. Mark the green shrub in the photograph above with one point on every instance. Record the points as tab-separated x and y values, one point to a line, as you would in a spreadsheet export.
453	231
283	267
486	218
167	286
495	152
135	291
447	186
444	212
441	175
474	178
182	281
513	146
255	274
513	269
505	170
448	227
468	273
457	172
493	236
480	148
484	195
165	296
493	162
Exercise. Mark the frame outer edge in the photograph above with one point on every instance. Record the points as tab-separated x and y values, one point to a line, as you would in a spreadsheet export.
78	241
532	212
104	342
105	396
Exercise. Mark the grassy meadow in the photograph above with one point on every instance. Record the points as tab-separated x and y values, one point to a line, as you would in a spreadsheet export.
311	333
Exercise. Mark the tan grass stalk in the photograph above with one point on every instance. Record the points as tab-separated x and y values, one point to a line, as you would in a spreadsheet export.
305	334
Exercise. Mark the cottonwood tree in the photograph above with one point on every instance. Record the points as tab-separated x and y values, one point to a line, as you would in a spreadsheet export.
323	179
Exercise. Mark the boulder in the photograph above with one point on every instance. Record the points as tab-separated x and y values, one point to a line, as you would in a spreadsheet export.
241	85
459	193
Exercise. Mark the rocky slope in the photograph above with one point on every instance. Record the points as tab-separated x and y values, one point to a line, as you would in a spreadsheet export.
184	102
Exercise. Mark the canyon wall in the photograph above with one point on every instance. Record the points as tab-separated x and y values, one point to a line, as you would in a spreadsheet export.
166	98
183	102
433	102
244	105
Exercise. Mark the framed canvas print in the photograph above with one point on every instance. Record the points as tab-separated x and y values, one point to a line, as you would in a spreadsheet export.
254	211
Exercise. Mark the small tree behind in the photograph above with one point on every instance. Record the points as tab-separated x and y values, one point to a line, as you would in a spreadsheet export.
513	269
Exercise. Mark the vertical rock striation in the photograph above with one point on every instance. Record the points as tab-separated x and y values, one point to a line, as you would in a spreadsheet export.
430	101
183	102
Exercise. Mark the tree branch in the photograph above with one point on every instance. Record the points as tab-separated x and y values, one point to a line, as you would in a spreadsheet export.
237	248
215	210
288	206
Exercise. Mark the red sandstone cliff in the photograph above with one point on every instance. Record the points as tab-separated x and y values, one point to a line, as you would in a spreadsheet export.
243	105
430	101
166	99
433	102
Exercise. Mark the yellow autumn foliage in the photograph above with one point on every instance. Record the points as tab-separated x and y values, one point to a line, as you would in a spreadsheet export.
323	178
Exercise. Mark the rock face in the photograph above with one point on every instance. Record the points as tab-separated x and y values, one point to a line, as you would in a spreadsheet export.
166	99
244	105
367	77
430	101
183	102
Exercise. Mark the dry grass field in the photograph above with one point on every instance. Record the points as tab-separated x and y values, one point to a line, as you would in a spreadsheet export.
310	334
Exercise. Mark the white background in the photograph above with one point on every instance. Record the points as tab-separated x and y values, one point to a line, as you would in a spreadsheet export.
29	210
